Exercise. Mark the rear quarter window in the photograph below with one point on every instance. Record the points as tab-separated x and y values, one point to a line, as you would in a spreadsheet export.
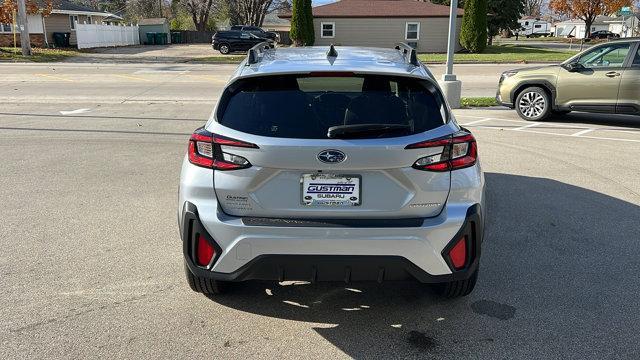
303	106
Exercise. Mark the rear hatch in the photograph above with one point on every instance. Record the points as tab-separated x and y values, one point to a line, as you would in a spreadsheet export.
330	145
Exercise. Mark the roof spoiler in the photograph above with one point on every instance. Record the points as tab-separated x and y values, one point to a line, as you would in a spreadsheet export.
253	55
408	53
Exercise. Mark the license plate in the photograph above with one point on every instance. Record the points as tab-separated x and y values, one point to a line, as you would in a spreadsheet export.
330	190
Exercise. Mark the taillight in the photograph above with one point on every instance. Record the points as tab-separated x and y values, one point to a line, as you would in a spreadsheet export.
205	150
458	151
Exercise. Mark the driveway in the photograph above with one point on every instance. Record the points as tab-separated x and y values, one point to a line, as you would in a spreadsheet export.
91	265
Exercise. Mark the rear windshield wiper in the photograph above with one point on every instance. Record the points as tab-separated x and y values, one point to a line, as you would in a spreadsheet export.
365	130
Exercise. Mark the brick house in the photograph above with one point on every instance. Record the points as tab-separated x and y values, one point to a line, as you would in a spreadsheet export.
63	18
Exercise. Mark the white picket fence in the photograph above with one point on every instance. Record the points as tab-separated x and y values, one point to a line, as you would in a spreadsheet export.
99	35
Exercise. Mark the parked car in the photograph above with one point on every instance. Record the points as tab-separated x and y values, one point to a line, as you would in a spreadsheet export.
258	31
318	169
229	41
603	34
605	79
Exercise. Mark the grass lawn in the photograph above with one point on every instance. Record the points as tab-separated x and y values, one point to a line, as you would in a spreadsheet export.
478	102
39	54
503	54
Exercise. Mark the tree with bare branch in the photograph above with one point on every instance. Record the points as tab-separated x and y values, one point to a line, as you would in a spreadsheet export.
201	11
533	7
587	10
252	12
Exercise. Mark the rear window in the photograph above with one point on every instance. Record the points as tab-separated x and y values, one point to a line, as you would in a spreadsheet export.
306	106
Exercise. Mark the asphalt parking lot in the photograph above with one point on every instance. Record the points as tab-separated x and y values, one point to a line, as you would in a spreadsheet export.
92	263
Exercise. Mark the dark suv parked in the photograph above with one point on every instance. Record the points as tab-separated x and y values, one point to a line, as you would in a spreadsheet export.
258	31
603	34
233	40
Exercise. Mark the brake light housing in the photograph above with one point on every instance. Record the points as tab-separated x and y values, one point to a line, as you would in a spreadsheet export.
205	150
205	251
459	151
458	253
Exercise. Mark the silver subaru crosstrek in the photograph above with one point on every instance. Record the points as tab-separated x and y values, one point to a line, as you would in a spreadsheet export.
332	164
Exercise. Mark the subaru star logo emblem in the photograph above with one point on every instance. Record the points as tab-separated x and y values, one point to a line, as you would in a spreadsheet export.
331	156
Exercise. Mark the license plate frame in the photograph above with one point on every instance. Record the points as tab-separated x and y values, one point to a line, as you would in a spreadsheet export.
345	181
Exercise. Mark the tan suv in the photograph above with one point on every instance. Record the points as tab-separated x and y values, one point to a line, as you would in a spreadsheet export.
603	79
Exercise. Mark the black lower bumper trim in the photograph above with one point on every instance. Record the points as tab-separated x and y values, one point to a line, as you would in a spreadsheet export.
504	103
334	223
348	268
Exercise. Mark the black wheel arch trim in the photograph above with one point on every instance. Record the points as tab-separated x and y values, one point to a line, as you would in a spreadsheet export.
191	228
529	83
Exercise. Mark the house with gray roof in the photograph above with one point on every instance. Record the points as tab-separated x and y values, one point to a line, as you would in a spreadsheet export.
383	23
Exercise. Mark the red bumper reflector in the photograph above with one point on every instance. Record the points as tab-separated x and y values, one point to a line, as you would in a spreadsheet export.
458	254
204	251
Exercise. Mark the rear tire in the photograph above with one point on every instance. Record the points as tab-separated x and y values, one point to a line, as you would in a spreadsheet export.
533	104
224	49
204	285
459	288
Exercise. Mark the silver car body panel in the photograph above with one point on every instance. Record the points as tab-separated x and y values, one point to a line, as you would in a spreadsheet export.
391	189
420	245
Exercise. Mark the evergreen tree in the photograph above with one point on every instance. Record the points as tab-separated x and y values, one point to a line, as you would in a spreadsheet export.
298	22
473	35
310	32
503	15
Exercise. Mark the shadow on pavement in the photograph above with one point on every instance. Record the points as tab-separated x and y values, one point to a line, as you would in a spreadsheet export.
558	279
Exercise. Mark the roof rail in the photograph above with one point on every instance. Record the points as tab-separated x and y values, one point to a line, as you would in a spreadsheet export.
253	55
408	53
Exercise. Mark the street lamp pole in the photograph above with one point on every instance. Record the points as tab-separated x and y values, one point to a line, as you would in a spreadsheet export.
451	86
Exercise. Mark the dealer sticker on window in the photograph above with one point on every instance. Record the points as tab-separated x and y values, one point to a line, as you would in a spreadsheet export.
330	190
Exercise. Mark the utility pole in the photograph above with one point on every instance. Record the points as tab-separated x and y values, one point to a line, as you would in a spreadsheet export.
159	8
451	86
25	42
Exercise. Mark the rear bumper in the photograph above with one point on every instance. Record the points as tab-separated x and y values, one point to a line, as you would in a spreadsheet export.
314	252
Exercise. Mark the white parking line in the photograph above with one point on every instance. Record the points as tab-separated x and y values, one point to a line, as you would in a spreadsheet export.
530	128
582	132
477	121
583	137
526	127
73	112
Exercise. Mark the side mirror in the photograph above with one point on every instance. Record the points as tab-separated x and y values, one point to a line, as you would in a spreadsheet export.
574	67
